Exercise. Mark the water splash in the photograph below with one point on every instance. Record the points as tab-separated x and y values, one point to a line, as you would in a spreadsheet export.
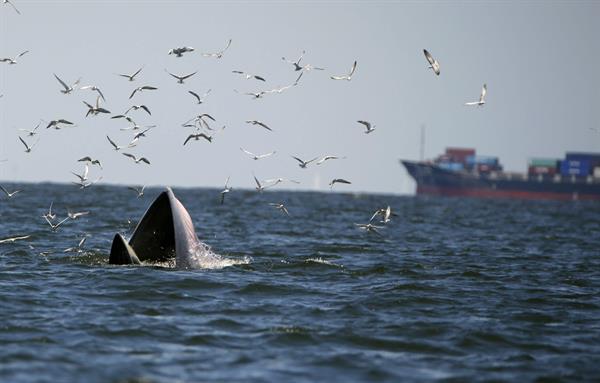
202	257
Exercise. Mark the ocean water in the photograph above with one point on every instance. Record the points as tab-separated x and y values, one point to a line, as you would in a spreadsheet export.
453	290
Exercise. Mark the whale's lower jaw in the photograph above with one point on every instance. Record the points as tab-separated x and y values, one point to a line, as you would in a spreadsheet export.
164	233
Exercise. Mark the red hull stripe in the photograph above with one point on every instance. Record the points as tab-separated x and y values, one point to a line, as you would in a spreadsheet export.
491	193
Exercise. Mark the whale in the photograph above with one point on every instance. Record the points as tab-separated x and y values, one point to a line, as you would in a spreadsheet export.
165	233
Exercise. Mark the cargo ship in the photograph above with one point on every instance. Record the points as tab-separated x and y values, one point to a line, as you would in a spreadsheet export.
462	172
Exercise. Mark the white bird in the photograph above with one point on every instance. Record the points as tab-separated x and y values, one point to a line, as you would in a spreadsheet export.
255	156
75	215
199	99
90	160
12	61
13	239
255	95
55	123
338	181
385	214
370	128
67	88
248	75
117	147
78	247
220	53
259	123
56	226
137	107
140	89
296	63
83	176
226	189
181	78
481	101
259	186
369	228
280	207
31	132
95	110
11	4
131	77
135	159
348	76
140	192
178	52
433	63
326	158
304	164
49	214
94	88
84	184
276	181
197	137
27	147
9	195
283	88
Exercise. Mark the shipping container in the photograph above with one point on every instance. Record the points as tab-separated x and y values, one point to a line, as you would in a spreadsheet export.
487	160
592	158
580	168
543	170
452	166
459	154
544	162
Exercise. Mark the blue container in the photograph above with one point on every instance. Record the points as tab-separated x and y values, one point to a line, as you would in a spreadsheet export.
452	166
482	160
592	158
581	167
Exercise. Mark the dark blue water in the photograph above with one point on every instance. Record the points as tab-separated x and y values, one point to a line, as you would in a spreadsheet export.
454	290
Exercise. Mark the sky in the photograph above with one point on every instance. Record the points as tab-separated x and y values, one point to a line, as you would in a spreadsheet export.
537	58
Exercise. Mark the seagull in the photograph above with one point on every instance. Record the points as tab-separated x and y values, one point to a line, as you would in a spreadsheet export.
281	207
433	64
282	88
481	101
385	214
275	181
56	226
338	181
75	215
141	88
325	158
95	110
76	249
257	157
83	185
140	134
178	52
181	78
259	187
131	77
27	147
218	54
11	4
12	61
369	228
259	123
370	128
94	88
31	132
248	75
49	214
68	89
117	147
140	192
137	107
137	160
348	76
197	137
13	239
226	189
296	63
91	161
304	164
8	194
83	176
255	95
198	98
54	123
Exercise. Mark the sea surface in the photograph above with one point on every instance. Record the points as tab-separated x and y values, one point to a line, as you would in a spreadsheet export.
453	290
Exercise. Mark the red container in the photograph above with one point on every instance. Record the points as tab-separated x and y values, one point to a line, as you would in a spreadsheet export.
543	170
459	154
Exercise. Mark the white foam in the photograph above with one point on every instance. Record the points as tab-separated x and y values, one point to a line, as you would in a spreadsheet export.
202	257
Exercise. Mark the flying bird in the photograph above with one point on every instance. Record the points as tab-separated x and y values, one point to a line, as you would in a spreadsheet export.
13	60
178	52
94	88
95	110
85	184
55	123
199	99
304	164
78	248
140	89
257	157
9	195
259	123
77	214
248	75
135	159
481	101
385	214
140	192
226	189
338	181
255	95
83	176
136	107
90	160
370	128
181	78
326	158
117	147
348	76
259	186
131	77
433	63
31	132
197	137
220	53
67	88
296	63
14	239
51	216
369	228
56	226
11	4
27	147
280	207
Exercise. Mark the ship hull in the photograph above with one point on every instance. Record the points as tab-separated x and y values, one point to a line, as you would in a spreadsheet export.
432	180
